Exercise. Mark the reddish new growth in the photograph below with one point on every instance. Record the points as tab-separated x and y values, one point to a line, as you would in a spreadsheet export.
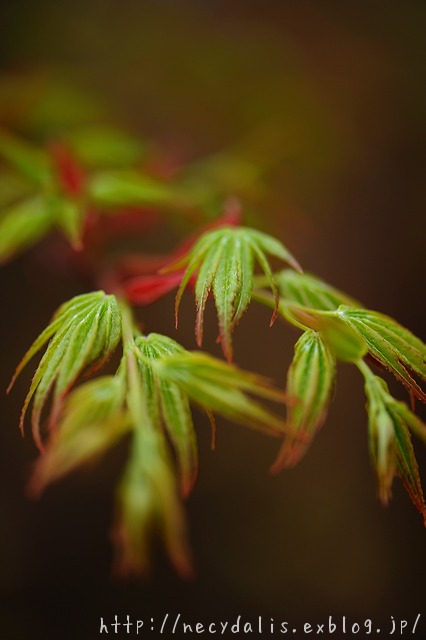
157	276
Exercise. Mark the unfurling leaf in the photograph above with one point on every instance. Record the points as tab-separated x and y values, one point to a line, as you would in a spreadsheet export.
168	405
22	225
391	448
310	381
93	420
147	503
353	332
393	346
225	259
345	341
82	336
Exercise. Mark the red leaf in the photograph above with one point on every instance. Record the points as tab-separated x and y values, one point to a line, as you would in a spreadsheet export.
69	173
149	288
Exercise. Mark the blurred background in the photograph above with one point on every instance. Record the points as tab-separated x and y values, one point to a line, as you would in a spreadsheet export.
320	110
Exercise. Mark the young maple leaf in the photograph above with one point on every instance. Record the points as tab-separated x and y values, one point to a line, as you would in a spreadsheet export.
22	225
151	283
353	333
92	421
167	404
310	380
309	291
391	345
223	388
173	377
225	260
82	336
391	448
147	502
58	182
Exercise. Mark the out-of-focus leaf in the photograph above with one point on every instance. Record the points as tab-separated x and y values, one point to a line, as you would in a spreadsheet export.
83	334
13	188
391	448
234	170
32	163
126	188
22	225
93	420
69	174
310	381
69	216
147	501
392	345
224	259
309	291
148	289
100	147
227	172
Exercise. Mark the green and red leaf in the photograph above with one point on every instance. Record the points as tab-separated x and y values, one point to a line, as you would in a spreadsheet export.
93	420
391	345
224	261
148	502
310	381
391	448
83	334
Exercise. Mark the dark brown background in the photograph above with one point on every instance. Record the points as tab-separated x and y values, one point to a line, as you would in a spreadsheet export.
341	88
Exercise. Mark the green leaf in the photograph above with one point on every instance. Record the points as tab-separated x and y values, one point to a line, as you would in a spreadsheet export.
226	290
93	421
273	247
224	389
147	501
22	225
391	448
345	341
168	405
180	428
13	188
310	381
393	346
225	260
127	188
69	216
32	163
105	147
309	291
83	334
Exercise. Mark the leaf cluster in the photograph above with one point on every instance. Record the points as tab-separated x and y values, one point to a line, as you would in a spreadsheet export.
151	396
224	260
336	326
149	399
60	183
